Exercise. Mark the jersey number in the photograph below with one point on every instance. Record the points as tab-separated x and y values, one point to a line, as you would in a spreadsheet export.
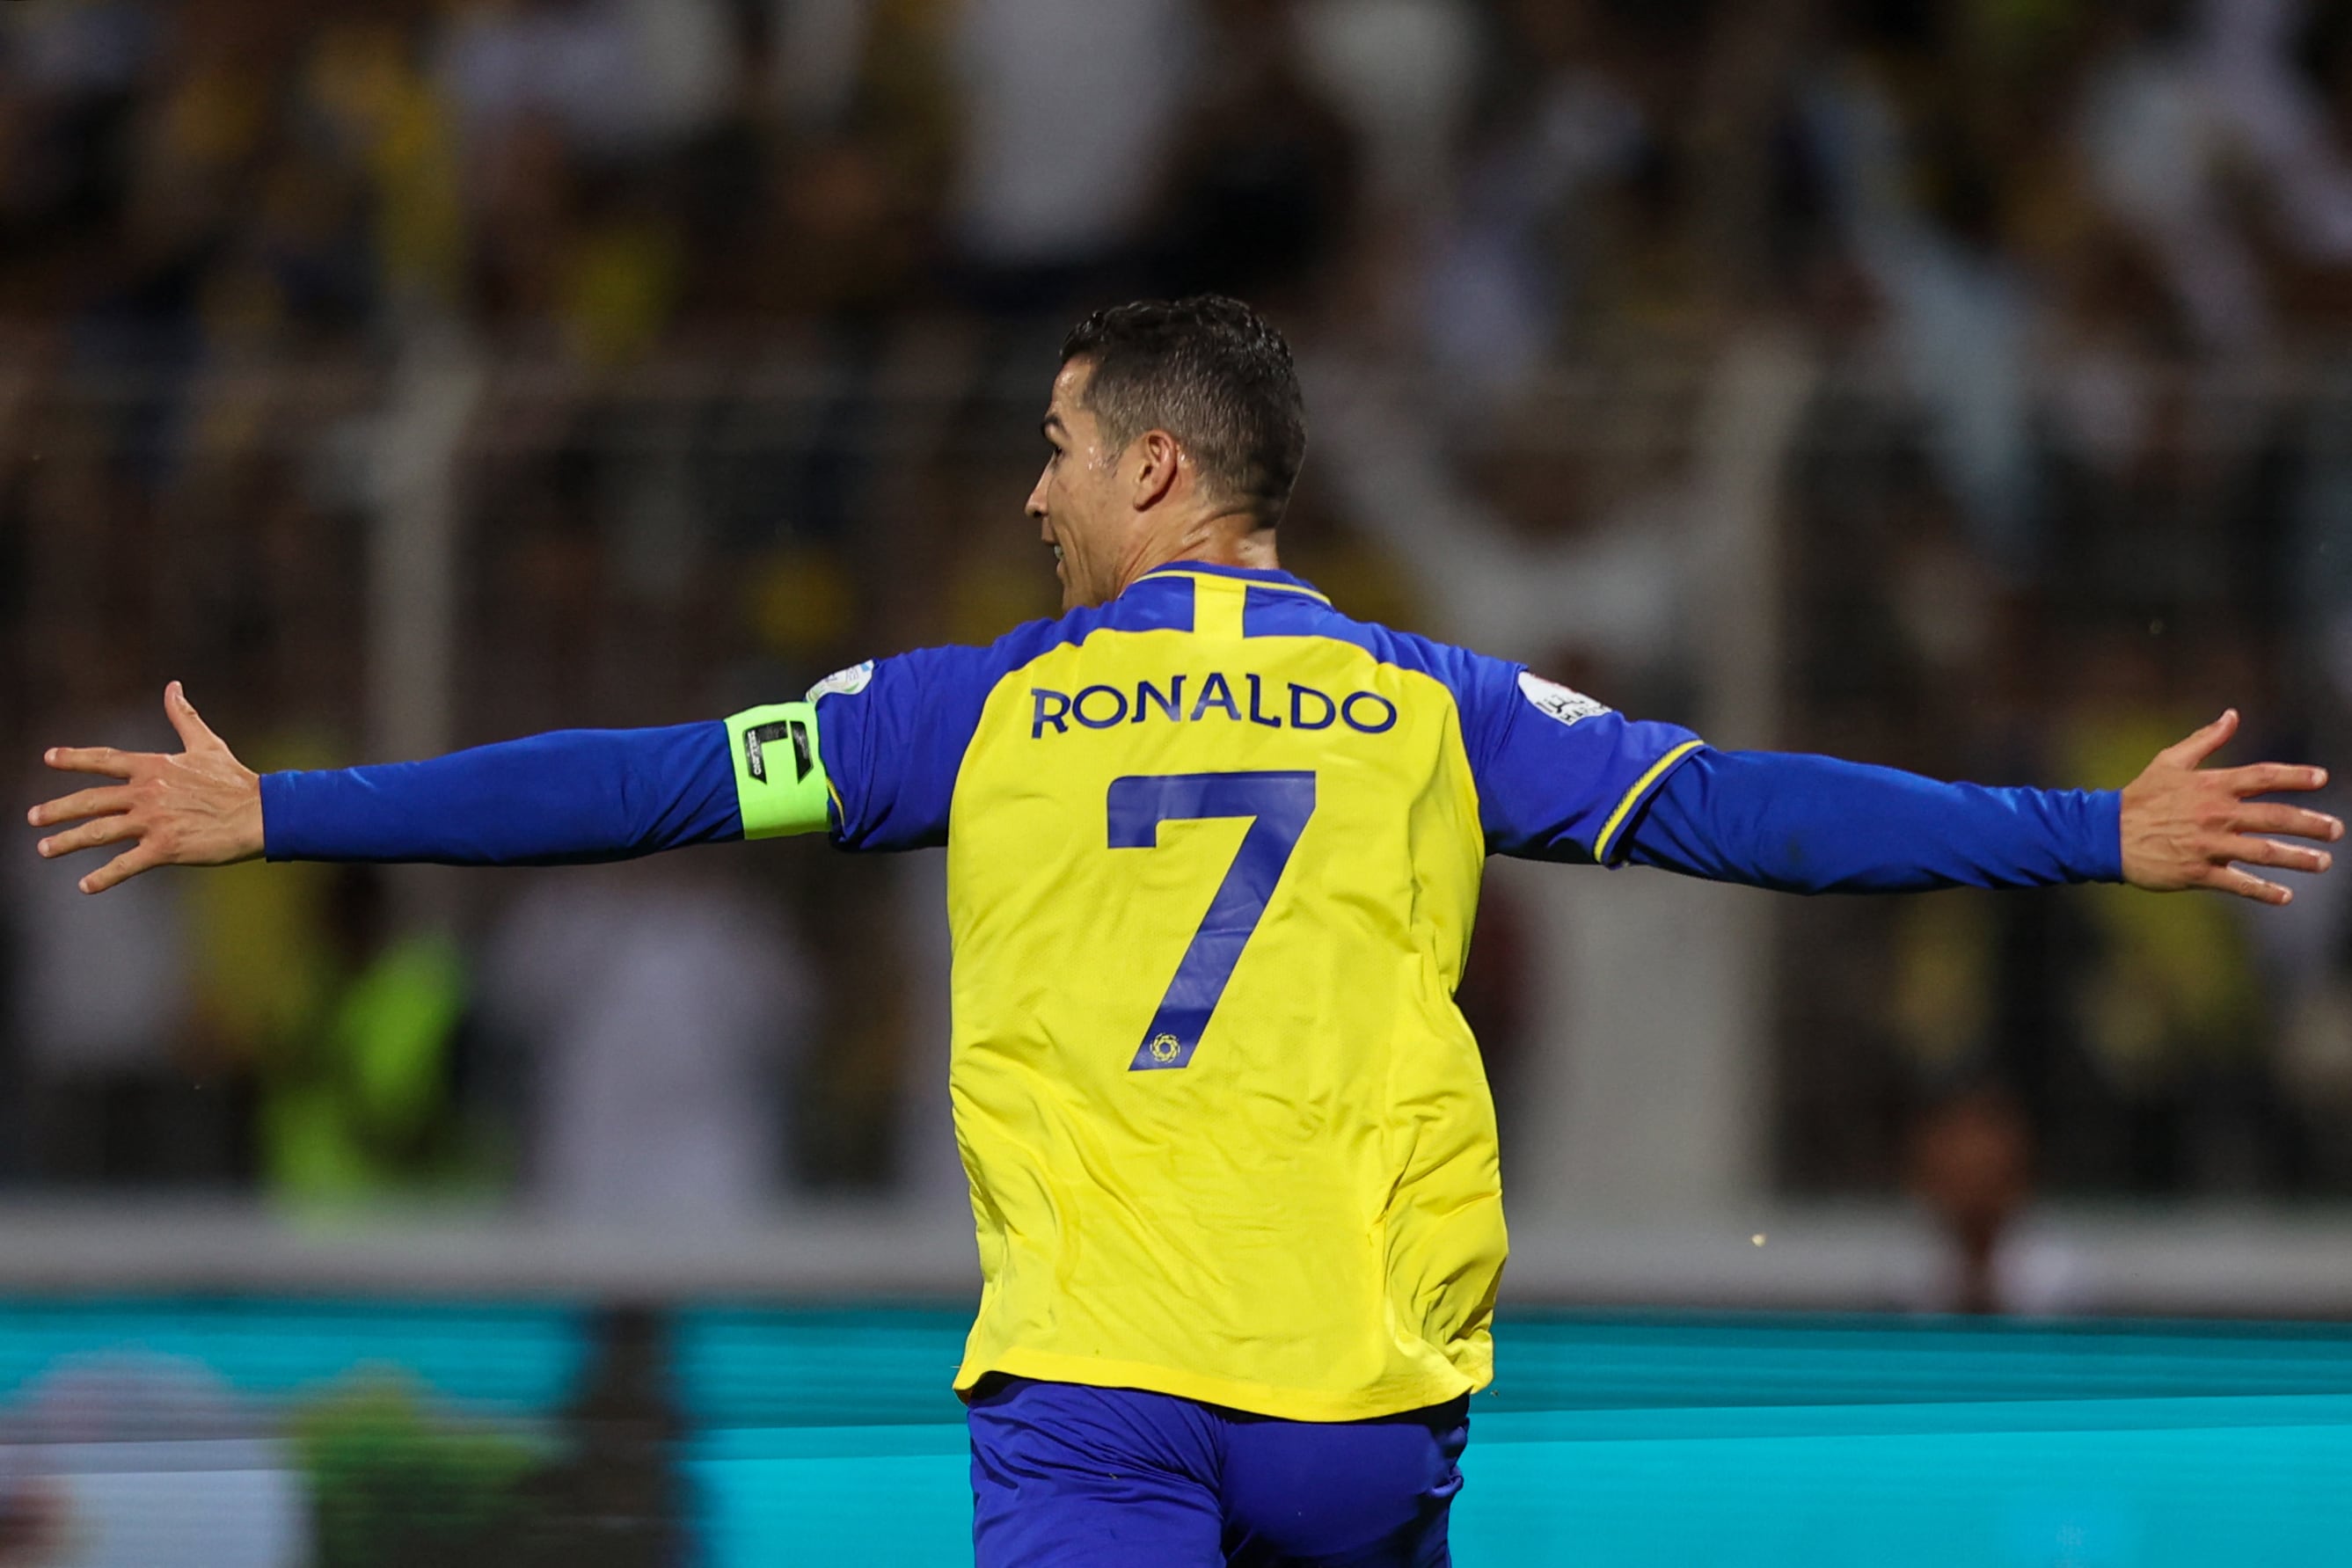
1278	805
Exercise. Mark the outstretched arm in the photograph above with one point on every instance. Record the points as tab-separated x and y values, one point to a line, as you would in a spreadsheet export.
1814	824
566	797
569	798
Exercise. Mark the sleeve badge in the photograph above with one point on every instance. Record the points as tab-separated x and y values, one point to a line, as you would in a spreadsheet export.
845	683
1560	702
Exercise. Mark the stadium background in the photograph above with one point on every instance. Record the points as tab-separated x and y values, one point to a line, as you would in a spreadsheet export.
1960	386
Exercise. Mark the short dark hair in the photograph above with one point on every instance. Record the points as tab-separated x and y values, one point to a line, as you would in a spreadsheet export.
1213	373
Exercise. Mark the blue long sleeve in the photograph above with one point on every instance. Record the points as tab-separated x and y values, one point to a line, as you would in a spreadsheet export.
566	797
1814	824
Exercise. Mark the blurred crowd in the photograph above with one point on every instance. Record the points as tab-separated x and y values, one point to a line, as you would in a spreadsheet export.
1486	186
761	299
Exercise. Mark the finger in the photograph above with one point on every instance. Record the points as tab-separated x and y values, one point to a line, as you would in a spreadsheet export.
195	733
2193	752
2286	857
2246	885
89	836
2261	817
2270	777
120	869
91	759
81	803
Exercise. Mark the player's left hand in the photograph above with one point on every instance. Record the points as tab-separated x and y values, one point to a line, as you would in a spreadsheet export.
2186	827
201	807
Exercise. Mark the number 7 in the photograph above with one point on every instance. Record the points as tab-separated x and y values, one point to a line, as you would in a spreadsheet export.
1280	804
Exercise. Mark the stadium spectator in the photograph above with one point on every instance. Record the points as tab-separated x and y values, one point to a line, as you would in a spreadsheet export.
102	1019
1033	230
1971	1163
661	1018
1265	181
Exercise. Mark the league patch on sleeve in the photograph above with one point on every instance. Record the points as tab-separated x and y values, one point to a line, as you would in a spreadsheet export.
1560	702
845	683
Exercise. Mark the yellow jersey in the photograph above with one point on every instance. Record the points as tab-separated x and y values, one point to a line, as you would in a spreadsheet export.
1214	855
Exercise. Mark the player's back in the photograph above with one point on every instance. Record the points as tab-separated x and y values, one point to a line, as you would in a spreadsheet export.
1211	893
1213	857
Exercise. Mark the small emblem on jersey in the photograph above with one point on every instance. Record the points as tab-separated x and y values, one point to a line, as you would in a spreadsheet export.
845	683
1164	1047
1561	702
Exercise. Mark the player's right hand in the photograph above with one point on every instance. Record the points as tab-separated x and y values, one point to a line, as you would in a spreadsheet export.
201	807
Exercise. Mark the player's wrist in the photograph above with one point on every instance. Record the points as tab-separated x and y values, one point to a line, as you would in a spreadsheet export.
249	832
2147	855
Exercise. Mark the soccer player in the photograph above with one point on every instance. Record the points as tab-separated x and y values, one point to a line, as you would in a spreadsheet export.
1213	849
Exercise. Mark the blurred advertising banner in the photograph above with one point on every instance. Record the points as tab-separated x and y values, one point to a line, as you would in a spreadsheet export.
219	1434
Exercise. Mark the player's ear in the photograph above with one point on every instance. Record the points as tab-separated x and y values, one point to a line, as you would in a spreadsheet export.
1157	459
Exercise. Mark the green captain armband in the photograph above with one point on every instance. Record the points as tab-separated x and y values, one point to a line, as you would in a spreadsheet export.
779	782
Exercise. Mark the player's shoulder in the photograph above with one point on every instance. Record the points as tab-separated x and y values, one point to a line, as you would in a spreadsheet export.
1491	695
1152	604
944	673
1477	680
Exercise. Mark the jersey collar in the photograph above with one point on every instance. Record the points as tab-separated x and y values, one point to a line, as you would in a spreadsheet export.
1269	576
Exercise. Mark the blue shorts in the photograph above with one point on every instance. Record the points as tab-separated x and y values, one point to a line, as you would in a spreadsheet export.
1064	1476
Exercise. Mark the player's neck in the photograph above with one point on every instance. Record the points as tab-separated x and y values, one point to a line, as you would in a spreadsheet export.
1228	540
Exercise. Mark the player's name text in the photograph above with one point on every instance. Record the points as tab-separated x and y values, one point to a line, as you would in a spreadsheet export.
1253	700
